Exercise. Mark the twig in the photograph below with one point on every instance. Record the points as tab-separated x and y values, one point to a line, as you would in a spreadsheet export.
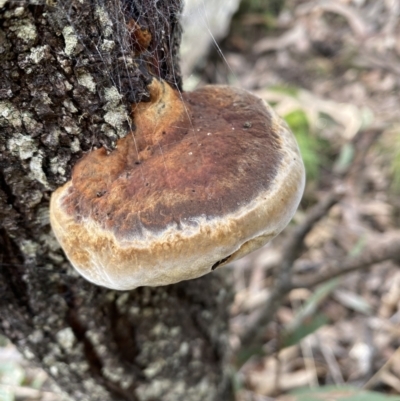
289	38
357	24
309	362
292	248
331	361
385	247
291	251
376	377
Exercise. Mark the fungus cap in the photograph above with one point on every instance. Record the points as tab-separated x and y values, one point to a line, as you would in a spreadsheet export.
206	177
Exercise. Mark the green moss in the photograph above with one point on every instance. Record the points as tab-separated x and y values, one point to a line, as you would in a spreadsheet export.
311	146
268	7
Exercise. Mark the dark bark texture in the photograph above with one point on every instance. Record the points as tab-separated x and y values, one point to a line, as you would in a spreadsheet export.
67	77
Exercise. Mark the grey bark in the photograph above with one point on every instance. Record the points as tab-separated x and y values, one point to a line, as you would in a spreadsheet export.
67	77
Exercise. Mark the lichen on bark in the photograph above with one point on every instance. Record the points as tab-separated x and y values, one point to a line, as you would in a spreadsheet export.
65	88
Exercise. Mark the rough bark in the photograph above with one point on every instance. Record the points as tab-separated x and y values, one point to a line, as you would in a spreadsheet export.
68	75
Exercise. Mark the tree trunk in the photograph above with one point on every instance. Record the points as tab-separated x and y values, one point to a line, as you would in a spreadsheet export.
69	70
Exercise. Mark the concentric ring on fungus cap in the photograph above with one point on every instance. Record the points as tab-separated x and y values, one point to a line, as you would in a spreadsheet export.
206	177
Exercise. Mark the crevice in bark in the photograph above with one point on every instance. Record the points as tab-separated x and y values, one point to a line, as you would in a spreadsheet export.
10	197
196	304
79	330
123	333
99	345
11	264
95	364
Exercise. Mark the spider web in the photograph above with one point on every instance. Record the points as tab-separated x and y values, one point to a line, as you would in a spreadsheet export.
113	52
160	59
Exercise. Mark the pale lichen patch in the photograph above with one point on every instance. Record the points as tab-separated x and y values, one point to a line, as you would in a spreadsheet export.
87	81
31	125
70	126
50	241
96	392
45	98
134	311
34	198
79	368
175	331
75	145
29	248
154	369
28	354
43	217
105	21
54	370
67	85
153	390
116	118
69	105
66	338
109	132
58	166
25	30
71	40
107	45
93	337
38	53
117	375
9	113
122	301
112	96
184	349
19	11
170	391
22	146
159	330
37	173
36	337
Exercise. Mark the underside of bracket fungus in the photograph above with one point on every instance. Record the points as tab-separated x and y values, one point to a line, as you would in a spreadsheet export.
206	177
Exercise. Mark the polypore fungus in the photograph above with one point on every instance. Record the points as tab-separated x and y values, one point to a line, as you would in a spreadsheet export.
207	177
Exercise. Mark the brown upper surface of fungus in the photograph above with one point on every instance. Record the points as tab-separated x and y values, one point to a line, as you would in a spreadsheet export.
206	177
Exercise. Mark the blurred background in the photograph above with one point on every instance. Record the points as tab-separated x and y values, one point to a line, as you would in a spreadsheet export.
331	69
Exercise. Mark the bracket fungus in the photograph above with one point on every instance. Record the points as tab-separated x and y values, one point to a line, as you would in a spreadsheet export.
206	177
